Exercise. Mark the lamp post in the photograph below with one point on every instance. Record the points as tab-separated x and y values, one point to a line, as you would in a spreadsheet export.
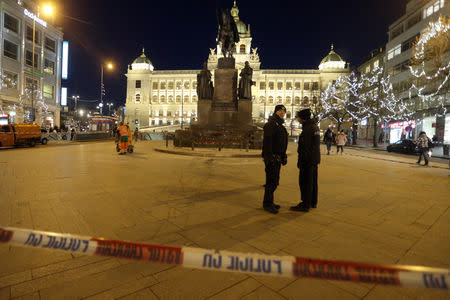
102	87
109	107
76	98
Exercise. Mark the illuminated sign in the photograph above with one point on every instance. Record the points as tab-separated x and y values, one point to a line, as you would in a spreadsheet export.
35	18
64	96
65	60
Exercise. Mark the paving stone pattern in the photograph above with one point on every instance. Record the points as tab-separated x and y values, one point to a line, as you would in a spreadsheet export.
373	207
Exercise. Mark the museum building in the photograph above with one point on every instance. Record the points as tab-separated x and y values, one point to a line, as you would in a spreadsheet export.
163	97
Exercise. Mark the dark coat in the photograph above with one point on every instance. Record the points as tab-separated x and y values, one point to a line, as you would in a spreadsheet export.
309	144
328	136
275	139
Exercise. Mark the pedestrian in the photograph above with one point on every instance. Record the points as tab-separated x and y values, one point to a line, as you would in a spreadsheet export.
136	134
328	139
423	144
274	155
123	139
308	161
341	139
72	134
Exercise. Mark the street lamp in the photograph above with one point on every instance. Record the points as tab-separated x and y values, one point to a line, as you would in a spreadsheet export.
102	87
109	107
76	98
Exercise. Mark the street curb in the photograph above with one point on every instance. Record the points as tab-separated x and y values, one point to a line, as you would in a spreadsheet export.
193	153
384	150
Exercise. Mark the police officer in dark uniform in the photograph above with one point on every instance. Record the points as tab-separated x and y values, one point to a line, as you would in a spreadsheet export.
308	160
274	154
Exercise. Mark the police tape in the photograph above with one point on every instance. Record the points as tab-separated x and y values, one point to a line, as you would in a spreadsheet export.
227	261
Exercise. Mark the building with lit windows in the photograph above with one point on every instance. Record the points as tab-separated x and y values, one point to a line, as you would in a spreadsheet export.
18	81
402	36
157	97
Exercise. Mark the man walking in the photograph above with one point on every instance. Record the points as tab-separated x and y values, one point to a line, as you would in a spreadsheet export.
274	154
423	144
308	160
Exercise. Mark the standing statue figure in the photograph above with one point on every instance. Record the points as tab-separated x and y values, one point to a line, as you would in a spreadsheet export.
245	83
228	34
205	89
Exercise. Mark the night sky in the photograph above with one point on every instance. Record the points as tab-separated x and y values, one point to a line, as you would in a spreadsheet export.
177	35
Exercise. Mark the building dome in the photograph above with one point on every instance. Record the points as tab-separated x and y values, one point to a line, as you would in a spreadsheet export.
142	63
332	61
241	27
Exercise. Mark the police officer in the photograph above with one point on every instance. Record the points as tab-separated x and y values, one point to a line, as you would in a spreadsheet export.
274	154
308	160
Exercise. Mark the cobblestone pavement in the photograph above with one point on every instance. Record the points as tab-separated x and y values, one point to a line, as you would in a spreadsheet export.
373	207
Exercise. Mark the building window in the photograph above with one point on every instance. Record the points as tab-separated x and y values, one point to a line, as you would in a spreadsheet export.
288	100
29	34
262	99
155	85
297	100
271	85
394	52
242	48
170	99
315	86
138	84
408	44
169	113
49	67
9	80
10	49
49	91
396	32
271	99
279	100
11	23
162	99
194	85
50	44
178	85
31	84
162	85
305	101
178	99
376	64
297	85
186	99
428	11
413	21
280	85
368	69
29	59
170	86
314	100
186	85
306	86
289	85
262	85
161	113
194	98
138	98
155	99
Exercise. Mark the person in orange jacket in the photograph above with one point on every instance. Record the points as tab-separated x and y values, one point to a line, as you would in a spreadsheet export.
124	135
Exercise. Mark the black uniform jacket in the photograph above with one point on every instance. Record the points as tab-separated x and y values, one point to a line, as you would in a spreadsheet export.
275	139
309	144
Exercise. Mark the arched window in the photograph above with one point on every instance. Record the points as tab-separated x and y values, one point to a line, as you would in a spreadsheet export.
305	101
297	100
194	98
155	99
170	99
169	113
138	98
314	100
194	85
170	85
162	99
178	85
242	48
186	99
279	100
186	85
271	99
288	100
262	99
178	99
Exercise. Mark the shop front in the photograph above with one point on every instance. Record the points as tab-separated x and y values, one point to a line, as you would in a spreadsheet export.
401	131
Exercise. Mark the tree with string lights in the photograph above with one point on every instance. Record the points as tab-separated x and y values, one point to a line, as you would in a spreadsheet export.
378	103
430	68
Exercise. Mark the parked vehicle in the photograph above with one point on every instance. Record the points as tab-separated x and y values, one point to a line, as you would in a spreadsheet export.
44	136
403	146
20	134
